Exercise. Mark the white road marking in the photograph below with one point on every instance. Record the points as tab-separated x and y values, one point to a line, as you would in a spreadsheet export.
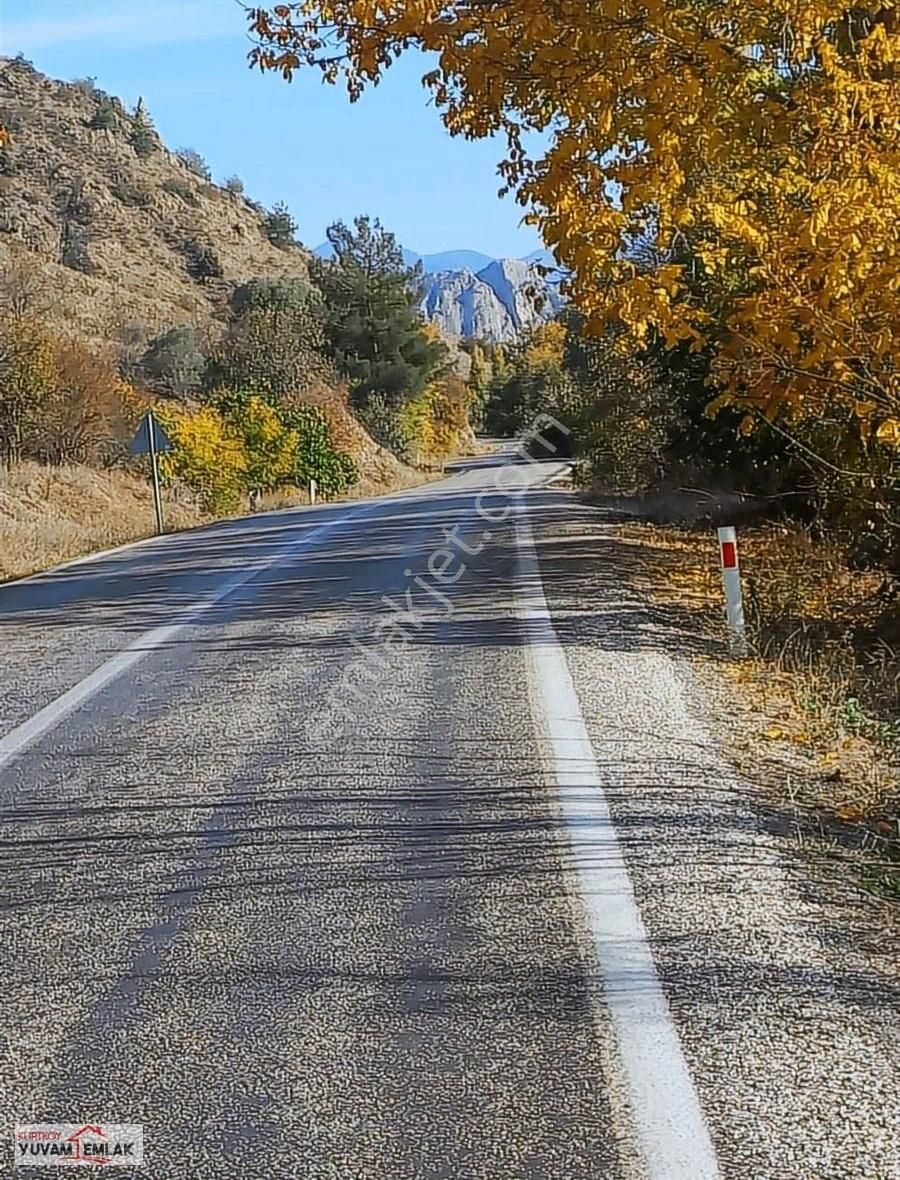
668	1121
19	739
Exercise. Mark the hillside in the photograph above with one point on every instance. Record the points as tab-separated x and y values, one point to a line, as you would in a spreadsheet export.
122	241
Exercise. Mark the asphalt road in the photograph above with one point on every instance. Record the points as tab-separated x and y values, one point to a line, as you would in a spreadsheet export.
305	864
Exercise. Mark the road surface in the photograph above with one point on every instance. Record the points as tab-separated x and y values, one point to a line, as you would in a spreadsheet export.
306	863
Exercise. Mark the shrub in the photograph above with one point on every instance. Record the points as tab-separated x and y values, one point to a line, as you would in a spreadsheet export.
131	339
133	195
316	456
235	185
195	162
24	288
86	86
383	419
270	446
180	188
202	261
75	250
83	417
173	362
105	117
272	352
273	295
207	456
26	381
280	227
74	205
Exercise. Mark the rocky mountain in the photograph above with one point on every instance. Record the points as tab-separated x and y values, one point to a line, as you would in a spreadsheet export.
119	231
496	304
469	295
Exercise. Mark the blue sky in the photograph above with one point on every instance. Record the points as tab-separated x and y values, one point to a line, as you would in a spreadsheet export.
387	155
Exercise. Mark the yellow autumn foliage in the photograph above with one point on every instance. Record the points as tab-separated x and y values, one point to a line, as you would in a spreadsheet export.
758	139
270	447
208	455
27	380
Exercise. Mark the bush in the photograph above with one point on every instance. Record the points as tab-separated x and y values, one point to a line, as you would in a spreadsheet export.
133	195
207	456
83	418
202	261
173	362
60	402
270	446
273	295
180	188
316	457
74	205
106	116
383	418
235	185
75	250
27	377
273	352
195	162
280	227
86	86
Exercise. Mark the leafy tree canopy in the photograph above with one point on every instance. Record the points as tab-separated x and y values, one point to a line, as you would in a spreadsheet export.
761	132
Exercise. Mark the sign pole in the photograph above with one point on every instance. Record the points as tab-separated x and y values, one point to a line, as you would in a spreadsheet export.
157	498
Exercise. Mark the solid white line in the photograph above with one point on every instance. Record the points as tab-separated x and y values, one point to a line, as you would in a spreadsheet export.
668	1121
19	739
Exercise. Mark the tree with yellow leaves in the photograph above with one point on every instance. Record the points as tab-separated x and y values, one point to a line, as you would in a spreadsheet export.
208	455
762	135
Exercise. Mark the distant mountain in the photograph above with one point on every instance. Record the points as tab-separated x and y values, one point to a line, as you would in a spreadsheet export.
473	296
499	303
455	260
324	250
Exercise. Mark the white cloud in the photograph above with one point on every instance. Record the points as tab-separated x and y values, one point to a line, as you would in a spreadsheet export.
155	24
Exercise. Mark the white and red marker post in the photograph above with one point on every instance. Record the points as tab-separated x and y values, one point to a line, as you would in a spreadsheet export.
731	580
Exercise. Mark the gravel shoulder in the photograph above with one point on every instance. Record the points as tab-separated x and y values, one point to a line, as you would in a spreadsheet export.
781	974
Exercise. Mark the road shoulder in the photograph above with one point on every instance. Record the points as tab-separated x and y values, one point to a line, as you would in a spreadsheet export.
779	973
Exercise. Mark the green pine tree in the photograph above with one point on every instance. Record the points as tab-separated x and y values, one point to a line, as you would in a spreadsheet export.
372	318
143	137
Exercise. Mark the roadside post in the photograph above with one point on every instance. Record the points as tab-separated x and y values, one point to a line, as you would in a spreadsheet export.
313	488
151	439
731	580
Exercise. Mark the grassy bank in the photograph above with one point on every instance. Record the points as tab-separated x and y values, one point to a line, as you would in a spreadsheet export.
53	514
814	712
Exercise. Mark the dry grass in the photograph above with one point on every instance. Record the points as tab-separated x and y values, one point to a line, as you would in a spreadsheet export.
822	686
52	514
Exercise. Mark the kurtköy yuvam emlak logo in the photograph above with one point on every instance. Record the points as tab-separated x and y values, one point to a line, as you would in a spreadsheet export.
88	1144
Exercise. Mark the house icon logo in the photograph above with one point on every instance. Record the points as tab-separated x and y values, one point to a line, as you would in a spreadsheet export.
79	1144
